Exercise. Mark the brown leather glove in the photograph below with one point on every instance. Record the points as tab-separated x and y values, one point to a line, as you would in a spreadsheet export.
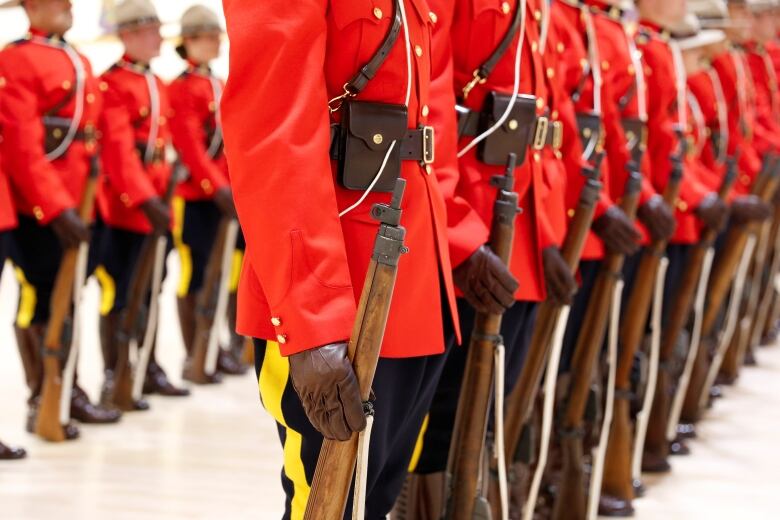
329	391
748	208
486	282
561	285
157	213
223	198
713	212
617	231
657	216
70	229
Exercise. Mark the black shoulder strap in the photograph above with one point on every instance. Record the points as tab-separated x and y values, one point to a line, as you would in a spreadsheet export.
369	70
487	67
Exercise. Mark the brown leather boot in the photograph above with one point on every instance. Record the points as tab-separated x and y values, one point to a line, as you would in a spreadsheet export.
10	453
157	382
29	341
237	346
228	364
421	498
71	430
186	307
109	330
82	409
615	507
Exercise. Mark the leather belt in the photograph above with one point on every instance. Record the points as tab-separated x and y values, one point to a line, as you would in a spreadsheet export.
158	154
417	144
545	133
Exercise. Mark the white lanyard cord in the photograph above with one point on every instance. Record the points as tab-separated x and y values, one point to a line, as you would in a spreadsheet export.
154	128
515	90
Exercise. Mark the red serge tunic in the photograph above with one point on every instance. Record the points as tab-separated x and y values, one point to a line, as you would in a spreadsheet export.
197	132
37	79
475	30
135	129
740	118
663	116
305	266
7	211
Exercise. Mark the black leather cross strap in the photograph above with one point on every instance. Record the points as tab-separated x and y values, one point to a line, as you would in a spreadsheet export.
417	144
487	67
369	70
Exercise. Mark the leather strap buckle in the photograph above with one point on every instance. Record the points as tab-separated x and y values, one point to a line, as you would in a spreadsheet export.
557	141
540	135
428	140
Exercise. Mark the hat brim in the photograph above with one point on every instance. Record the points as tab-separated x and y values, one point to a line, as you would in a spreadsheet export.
201	29
719	23
10	3
132	25
701	39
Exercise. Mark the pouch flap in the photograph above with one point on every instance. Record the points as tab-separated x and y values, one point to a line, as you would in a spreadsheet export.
377	124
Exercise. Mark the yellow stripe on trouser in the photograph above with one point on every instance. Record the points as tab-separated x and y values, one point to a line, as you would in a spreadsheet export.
185	253
107	290
418	447
28	298
272	382
235	270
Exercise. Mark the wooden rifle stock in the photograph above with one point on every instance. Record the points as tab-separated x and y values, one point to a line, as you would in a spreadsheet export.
726	262
677	318
206	305
47	423
471	420
617	463
520	402
336	463
570	501
130	327
721	279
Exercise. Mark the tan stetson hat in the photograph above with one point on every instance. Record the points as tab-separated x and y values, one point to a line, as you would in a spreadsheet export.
688	33
761	5
199	19
10	3
135	13
712	14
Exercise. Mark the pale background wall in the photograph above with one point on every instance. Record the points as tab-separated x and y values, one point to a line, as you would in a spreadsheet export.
90	33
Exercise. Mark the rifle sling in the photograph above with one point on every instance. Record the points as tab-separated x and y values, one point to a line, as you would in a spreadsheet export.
487	67
368	71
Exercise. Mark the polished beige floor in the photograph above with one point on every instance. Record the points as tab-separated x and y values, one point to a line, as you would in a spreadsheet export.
215	455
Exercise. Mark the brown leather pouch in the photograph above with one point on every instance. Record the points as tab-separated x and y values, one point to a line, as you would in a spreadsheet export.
514	136
367	131
589	125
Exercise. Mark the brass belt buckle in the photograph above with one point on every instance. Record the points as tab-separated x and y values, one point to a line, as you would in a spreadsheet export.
428	137
557	135
540	136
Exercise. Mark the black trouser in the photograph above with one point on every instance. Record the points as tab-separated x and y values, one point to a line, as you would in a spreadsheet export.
516	329
200	224
404	389
119	251
36	252
589	271
4	237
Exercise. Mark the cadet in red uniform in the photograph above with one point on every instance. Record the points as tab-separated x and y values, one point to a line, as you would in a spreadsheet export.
7	222
135	129
579	52
197	136
464	39
309	242
48	111
764	76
